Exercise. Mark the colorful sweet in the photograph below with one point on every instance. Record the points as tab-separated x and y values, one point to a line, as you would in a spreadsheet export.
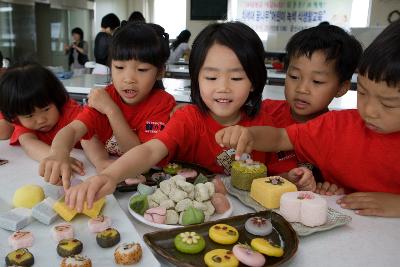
20	239
95	210
203	192
201	179
76	261
192	216
189	242
172	168
187	173
305	207
137	180
139	204
98	224
244	172
20	257
28	196
248	256
220	203
183	204
108	238
128	253
223	234
43	212
63	210
258	226
219	185
160	176
62	231
156	215
69	247
172	217
15	219
267	247
268	190
220	258
144	189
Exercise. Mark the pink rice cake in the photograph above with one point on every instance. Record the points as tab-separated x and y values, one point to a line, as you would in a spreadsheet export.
20	239
246	255
99	224
62	231
187	173
305	207
156	215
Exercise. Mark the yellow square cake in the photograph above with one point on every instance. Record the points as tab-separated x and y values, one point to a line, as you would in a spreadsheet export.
63	210
95	210
268	190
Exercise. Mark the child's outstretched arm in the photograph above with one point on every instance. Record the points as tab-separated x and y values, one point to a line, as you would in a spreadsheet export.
372	203
57	163
100	100
136	161
6	129
96	153
261	138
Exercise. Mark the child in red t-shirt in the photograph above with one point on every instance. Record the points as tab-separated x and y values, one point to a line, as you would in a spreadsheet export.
227	78
129	111
38	105
6	128
319	64
354	149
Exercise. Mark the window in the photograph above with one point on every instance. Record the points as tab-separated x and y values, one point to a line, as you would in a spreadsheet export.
173	22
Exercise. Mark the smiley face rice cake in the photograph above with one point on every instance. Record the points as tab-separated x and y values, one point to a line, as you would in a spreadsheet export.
223	234
220	258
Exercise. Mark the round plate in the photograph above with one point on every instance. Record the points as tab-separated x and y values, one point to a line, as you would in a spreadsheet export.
214	217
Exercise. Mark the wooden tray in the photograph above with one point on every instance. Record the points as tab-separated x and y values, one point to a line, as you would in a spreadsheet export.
162	242
123	187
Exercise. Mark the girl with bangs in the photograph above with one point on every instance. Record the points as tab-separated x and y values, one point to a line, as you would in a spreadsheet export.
126	113
38	106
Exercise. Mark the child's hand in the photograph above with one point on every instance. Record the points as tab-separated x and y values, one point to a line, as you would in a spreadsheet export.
77	166
54	168
372	203
100	100
237	137
90	190
302	178
329	189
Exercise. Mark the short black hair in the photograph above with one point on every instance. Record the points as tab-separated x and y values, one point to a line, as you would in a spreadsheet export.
1	60
183	37
381	60
247	46
78	31
110	20
146	42
136	16
332	40
28	85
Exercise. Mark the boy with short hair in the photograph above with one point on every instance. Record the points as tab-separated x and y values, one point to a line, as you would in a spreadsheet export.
354	149
319	65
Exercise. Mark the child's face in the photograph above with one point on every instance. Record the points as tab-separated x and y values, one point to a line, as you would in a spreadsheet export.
378	105
311	84
224	85
42	119
133	79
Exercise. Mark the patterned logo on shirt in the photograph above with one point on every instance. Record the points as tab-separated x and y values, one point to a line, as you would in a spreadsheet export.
154	126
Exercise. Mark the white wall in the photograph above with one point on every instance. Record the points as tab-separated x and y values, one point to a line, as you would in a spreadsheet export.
103	7
380	10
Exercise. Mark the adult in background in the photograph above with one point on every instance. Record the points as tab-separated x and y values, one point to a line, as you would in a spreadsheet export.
136	16
103	39
180	47
77	52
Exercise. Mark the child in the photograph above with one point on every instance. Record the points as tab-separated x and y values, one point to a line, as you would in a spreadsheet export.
38	105
6	128
126	113
319	64
354	150
227	76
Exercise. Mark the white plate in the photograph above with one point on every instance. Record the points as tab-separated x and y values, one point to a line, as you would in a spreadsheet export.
214	217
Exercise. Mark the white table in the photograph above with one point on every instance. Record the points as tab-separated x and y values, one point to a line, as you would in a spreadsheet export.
366	241
180	89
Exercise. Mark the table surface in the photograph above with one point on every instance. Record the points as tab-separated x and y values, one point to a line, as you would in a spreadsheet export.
365	241
180	89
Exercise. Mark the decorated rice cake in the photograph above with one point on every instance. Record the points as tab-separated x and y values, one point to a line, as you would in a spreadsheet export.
305	207
244	172
268	190
128	253
64	211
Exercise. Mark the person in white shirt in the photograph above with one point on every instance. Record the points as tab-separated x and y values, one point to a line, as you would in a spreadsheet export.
180	47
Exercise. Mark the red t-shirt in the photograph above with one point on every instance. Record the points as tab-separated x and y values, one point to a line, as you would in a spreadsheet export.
349	154
145	118
1	116
279	111
68	113
190	137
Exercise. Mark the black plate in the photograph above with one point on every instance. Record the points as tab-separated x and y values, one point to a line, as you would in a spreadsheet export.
123	187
